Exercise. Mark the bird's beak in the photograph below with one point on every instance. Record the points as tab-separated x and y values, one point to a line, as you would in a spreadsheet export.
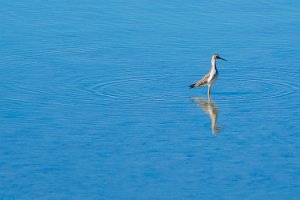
222	58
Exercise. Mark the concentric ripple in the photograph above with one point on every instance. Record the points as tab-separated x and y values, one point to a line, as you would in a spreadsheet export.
151	88
160	88
170	88
243	89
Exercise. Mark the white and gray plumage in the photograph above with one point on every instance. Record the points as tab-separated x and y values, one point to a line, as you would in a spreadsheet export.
211	77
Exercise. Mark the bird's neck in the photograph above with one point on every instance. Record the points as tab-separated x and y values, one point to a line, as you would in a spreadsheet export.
213	65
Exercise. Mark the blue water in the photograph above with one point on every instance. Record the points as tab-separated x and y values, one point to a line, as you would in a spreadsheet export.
95	101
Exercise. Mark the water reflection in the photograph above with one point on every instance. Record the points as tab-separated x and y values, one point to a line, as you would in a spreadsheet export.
209	107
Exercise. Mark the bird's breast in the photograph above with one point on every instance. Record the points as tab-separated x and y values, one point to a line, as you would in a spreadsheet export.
213	78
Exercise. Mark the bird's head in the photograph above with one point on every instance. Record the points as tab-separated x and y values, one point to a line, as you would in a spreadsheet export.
216	56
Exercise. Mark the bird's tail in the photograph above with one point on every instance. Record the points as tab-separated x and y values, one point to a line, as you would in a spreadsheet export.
192	86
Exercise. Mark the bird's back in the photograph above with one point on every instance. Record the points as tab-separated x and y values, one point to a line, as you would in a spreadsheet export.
202	82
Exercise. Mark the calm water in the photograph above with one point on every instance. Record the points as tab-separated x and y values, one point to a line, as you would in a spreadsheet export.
95	101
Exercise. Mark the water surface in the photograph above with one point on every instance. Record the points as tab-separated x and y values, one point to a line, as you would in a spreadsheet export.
96	104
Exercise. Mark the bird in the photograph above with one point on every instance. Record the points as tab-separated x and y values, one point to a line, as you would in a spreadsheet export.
210	78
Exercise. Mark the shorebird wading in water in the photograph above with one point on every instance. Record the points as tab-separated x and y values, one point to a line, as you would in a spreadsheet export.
212	75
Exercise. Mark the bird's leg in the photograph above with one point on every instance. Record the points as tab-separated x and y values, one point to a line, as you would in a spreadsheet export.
208	91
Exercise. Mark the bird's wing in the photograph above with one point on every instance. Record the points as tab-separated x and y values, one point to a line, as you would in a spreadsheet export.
203	81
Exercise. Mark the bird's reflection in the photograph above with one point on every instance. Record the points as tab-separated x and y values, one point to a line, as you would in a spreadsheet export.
209	107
